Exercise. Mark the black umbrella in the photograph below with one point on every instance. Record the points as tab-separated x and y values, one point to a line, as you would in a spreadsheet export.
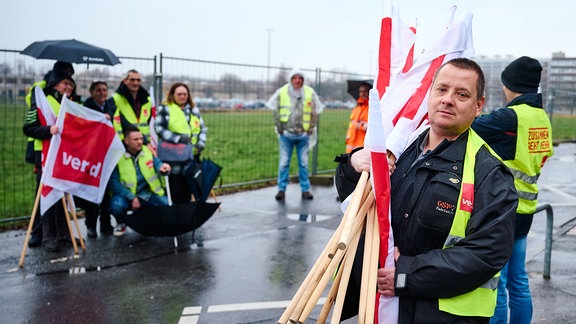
170	220
201	177
71	51
354	87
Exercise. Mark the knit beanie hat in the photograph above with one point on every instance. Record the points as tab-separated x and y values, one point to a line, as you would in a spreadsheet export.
522	75
63	67
54	77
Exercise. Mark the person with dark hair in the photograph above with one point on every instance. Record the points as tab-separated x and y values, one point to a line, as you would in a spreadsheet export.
521	134
132	106
452	209
358	125
179	121
136	181
98	101
296	107
54	227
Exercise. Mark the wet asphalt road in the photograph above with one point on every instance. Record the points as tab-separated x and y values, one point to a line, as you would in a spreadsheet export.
254	254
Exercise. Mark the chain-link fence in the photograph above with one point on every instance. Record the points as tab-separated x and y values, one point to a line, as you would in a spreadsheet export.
230	96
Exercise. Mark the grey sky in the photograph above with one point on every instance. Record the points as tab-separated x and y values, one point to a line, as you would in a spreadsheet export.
329	34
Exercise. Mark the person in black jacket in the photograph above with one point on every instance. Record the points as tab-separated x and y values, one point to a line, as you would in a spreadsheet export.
521	134
438	267
99	102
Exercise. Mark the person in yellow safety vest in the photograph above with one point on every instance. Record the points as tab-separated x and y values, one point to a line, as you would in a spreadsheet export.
452	207
133	106
179	121
522	135
137	179
54	229
296	107
30	156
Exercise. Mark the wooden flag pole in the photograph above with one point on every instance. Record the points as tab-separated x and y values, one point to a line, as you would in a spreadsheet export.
366	266
71	203
353	210
32	218
329	249
72	237
373	267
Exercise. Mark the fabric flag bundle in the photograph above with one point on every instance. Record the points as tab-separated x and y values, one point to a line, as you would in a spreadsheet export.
49	196
393	121
83	154
153	134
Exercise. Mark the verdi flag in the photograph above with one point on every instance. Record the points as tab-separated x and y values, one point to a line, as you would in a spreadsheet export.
83	154
46	116
394	119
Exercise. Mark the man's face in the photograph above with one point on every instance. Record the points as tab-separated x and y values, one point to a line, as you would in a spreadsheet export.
453	102
100	93
363	92
134	142
297	82
181	96
133	82
64	87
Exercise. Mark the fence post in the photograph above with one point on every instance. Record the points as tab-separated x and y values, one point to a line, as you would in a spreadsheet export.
158	80
549	227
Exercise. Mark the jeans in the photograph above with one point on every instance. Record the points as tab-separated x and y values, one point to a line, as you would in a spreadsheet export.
513	289
287	142
119	205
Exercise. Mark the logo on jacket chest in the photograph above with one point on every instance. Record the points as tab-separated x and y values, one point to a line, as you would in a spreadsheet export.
445	207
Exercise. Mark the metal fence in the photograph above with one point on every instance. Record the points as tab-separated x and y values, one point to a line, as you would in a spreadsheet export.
216	87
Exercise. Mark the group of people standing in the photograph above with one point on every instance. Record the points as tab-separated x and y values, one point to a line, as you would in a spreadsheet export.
138	178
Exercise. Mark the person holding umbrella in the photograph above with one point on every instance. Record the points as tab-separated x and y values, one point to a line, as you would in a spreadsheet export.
178	121
133	106
59	84
60	68
136	181
359	116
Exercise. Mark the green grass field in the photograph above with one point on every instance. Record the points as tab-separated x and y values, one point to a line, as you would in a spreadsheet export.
243	142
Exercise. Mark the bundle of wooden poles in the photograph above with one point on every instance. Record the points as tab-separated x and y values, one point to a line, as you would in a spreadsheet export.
335	264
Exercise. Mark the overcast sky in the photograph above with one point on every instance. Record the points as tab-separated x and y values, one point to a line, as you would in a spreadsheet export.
330	34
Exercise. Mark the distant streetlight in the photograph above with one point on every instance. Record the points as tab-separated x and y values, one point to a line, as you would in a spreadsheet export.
269	30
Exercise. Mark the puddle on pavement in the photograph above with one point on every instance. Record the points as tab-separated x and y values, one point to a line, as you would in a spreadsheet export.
309	218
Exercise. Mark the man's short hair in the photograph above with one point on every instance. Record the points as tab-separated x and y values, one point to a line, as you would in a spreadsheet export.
129	129
467	64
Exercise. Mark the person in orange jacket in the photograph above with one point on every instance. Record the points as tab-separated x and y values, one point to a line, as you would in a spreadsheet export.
358	119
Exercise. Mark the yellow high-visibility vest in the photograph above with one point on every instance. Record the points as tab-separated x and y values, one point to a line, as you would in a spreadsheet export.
286	104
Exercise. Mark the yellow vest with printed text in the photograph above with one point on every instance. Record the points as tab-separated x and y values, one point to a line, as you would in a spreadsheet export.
145	161
123	108
482	300
533	147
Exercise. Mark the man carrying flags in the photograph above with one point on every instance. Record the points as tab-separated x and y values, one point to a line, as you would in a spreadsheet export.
452	206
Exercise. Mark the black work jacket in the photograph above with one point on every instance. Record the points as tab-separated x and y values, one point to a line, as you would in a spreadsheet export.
424	194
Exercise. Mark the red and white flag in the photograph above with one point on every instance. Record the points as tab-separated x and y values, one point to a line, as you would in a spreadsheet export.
153	135
83	154
48	195
394	118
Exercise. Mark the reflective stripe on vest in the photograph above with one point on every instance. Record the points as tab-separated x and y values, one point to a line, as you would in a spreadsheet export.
145	161
482	300
533	147
286	104
123	108
55	105
177	123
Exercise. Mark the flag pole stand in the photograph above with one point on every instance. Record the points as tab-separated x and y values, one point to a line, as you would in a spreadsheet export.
29	231
75	218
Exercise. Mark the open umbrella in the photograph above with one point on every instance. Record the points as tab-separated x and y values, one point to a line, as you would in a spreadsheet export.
170	220
71	51
354	87
201	177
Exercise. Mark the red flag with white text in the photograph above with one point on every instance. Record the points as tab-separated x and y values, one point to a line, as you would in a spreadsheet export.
83	154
